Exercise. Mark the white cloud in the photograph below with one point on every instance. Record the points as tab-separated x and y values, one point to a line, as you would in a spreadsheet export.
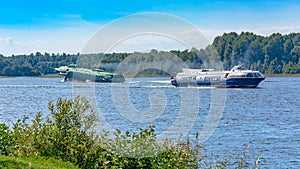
6	41
52	40
67	33
6	44
274	29
72	39
9	46
146	30
145	42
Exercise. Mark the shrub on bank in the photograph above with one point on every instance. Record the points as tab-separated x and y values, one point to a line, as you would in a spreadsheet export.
69	135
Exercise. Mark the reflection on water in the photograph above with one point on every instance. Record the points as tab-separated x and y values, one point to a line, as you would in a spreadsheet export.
267	117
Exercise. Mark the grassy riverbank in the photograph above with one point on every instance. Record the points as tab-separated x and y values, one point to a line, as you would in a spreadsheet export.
33	162
69	136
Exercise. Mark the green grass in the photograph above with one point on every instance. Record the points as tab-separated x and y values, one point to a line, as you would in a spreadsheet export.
33	162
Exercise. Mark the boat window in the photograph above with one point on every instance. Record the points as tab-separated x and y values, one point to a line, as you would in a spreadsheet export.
72	65
99	70
226	75
236	75
257	75
249	75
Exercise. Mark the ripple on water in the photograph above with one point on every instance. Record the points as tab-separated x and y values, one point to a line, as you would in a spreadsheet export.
267	117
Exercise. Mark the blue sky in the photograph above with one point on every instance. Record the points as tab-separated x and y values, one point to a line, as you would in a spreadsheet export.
57	26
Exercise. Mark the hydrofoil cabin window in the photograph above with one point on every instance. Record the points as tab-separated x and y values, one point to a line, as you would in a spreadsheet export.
226	75
249	75
236	75
257	75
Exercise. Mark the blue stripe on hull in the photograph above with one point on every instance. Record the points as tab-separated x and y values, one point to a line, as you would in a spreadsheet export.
243	82
231	82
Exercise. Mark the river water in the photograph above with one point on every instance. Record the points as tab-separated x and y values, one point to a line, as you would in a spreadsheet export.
228	120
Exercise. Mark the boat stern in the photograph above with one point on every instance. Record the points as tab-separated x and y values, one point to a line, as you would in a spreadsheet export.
174	81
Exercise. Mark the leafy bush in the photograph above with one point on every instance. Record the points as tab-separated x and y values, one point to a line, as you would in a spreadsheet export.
69	135
6	140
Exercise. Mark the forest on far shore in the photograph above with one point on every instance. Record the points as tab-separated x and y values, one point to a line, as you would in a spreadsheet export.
274	54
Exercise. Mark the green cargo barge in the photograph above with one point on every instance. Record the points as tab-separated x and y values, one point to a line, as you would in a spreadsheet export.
72	72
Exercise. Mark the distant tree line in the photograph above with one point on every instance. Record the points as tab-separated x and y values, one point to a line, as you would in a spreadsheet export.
33	64
274	54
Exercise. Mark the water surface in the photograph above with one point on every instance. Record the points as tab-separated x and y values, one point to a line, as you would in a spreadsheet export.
267	117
